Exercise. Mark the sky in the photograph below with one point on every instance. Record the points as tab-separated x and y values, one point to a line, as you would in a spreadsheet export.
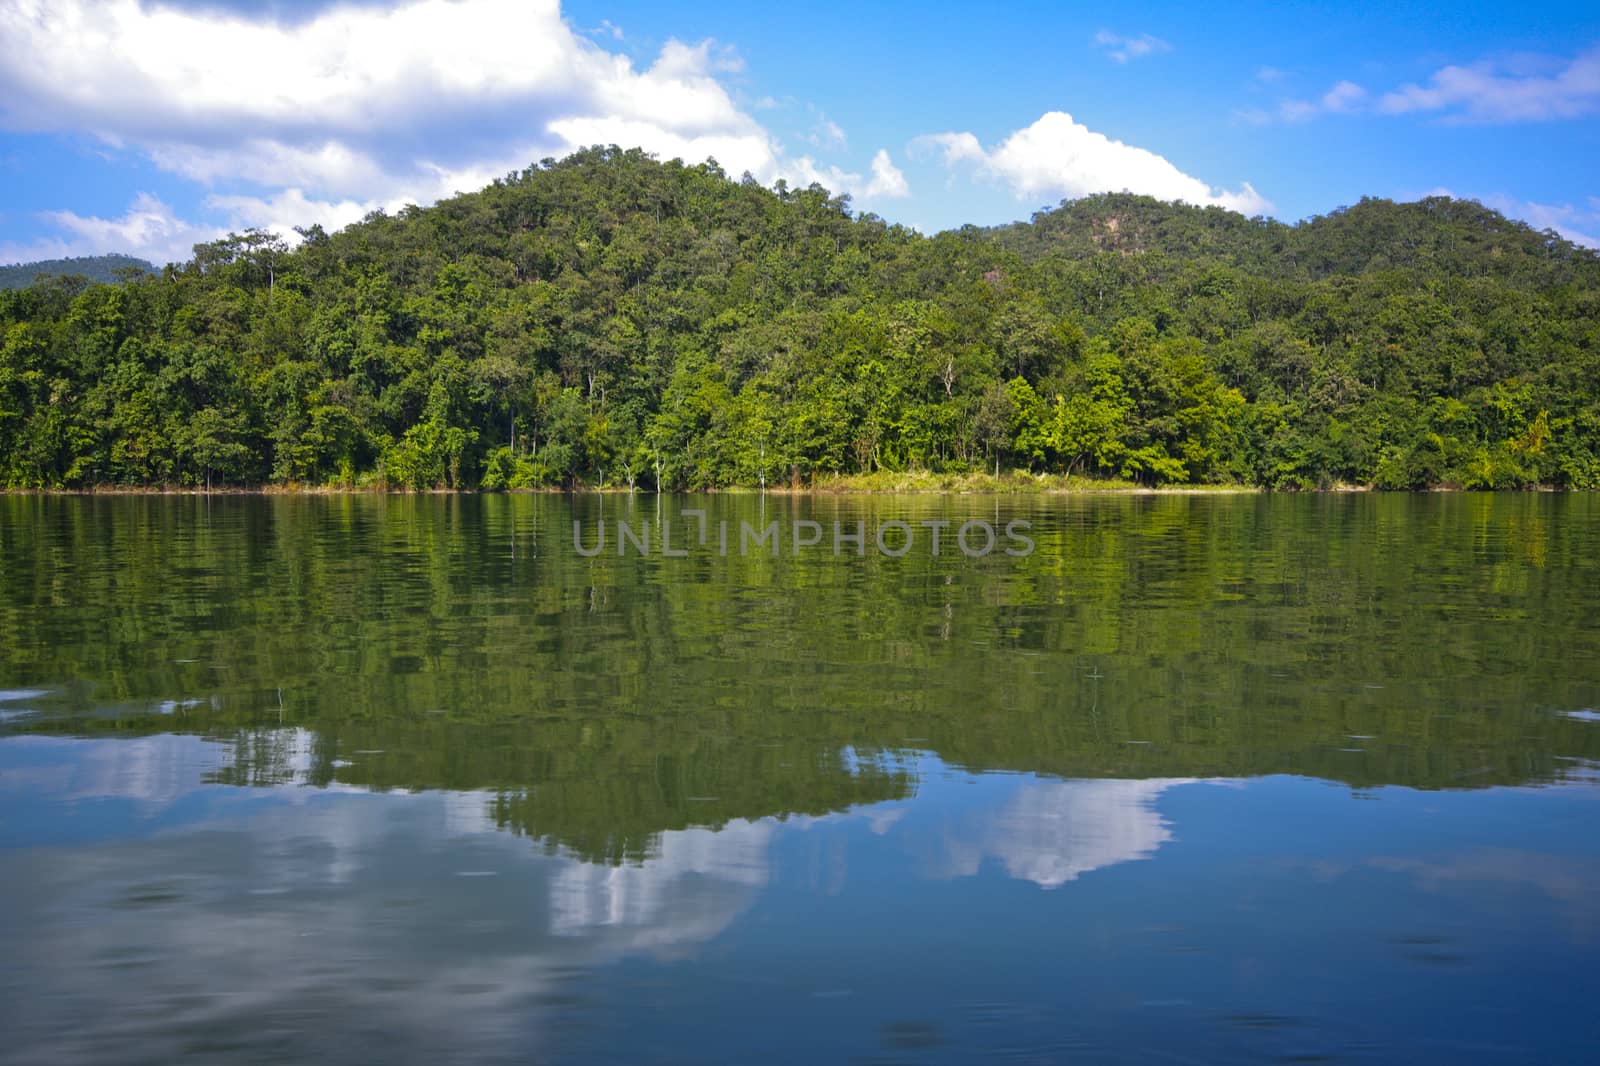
141	127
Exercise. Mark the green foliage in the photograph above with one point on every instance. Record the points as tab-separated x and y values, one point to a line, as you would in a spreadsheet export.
612	319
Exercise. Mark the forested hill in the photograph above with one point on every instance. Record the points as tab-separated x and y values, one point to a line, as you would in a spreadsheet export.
1438	235
611	317
101	268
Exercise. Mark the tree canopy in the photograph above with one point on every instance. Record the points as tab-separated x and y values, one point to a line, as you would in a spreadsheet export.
612	319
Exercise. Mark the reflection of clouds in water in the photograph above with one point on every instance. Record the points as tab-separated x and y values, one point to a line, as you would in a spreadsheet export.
280	756
157	771
884	816
154	771
313	923
379	928
1054	831
1569	879
690	889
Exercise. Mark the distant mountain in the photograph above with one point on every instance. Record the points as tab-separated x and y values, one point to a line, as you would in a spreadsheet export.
98	268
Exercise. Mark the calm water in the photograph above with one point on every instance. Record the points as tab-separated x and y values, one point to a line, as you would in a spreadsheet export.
1231	779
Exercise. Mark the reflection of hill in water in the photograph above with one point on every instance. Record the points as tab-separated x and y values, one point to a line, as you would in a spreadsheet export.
604	806
607	789
458	644
703	767
482	939
1045	831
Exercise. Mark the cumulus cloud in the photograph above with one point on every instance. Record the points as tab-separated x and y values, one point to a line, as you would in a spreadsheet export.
285	210
149	229
1057	156
887	180
1519	89
361	106
126	69
1123	48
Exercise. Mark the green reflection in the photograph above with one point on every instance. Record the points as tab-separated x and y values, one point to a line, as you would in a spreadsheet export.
462	642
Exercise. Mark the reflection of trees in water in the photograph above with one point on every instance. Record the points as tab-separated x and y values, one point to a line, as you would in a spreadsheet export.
618	818
606	809
1230	637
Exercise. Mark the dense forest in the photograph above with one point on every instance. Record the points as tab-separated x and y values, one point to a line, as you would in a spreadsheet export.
102	268
613	320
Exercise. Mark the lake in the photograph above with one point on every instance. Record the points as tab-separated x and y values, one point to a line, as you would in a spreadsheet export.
1209	778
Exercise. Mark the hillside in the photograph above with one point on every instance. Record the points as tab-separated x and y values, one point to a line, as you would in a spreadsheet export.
1141	225
1439	235
613	318
103	269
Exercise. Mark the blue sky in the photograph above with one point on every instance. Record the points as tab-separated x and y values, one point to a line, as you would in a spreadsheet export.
142	127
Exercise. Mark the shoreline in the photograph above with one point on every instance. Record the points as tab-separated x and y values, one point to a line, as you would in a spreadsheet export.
852	485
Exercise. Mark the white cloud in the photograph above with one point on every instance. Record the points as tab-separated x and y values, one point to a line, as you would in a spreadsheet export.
1343	98
887	180
128	69
1057	156
1123	48
330	164
1580	225
1297	110
957	147
1515	89
283	211
1270	74
826	133
1505	91
149	229
360	106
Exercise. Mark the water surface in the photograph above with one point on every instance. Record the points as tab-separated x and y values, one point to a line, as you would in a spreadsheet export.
1206	779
